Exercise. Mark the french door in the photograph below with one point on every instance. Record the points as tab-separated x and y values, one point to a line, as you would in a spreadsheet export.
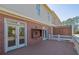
15	35
45	35
21	35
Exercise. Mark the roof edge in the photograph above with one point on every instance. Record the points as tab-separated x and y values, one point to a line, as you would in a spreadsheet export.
51	11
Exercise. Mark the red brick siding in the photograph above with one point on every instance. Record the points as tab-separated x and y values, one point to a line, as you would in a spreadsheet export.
35	25
1	35
30	25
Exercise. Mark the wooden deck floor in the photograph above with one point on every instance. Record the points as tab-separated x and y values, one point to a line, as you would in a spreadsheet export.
48	47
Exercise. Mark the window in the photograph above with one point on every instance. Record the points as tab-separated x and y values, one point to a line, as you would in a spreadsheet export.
38	9
36	33
48	16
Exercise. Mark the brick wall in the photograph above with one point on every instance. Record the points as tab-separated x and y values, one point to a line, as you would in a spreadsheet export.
1	35
30	25
33	25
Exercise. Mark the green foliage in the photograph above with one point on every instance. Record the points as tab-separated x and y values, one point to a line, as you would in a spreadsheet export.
76	32
71	21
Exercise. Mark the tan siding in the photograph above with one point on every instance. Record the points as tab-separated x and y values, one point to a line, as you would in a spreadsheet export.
29	10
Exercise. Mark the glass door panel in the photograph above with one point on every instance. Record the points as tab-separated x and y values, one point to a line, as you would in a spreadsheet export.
11	36
21	35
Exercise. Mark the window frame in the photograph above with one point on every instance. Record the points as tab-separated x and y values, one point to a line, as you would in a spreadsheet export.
48	16
38	9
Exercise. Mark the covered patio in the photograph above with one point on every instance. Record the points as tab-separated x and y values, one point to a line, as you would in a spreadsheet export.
47	47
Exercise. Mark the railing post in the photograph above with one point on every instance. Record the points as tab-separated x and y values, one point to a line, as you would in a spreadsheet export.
49	36
58	37
52	36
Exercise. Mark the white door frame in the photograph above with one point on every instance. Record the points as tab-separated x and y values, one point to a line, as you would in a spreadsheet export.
6	37
25	27
6	48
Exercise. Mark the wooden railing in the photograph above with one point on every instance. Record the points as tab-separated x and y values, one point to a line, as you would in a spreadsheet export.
76	39
60	37
76	43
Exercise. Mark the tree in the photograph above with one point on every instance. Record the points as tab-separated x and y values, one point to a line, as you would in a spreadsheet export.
71	21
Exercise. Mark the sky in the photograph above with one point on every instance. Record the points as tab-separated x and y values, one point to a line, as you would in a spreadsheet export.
65	11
